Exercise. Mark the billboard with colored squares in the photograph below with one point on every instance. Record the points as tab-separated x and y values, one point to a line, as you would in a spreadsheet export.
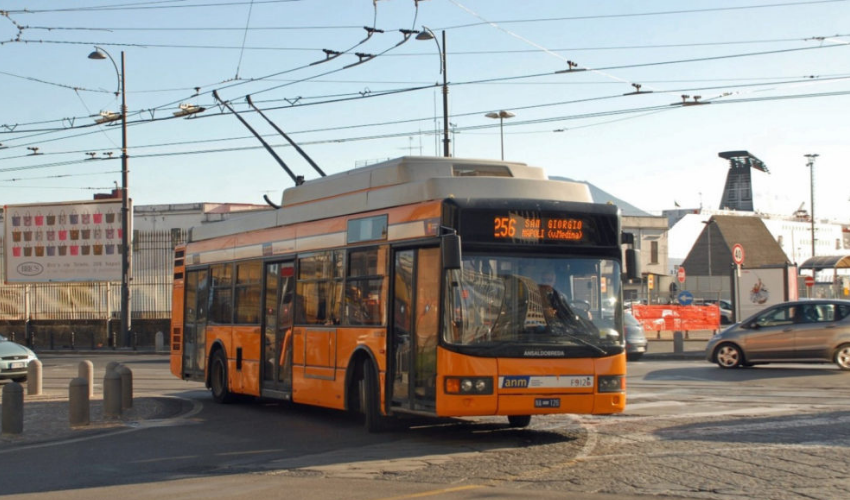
71	241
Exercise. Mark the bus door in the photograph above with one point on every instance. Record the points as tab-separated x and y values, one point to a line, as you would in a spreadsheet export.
195	324
277	329
415	324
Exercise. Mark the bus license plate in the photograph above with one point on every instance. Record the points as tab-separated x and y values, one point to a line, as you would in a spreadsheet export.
15	366
547	403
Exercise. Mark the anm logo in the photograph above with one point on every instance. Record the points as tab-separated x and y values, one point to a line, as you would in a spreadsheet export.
515	382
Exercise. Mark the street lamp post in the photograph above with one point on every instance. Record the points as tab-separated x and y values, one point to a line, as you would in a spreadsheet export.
427	34
126	264
708	224
501	115
811	165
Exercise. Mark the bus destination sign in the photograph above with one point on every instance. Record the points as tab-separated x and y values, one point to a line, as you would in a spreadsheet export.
538	228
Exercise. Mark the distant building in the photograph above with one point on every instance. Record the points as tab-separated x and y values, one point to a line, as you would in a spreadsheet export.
186	215
650	233
792	235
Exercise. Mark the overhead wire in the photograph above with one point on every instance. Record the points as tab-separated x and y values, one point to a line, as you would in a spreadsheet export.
548	74
647	14
512	79
145	6
648	110
244	39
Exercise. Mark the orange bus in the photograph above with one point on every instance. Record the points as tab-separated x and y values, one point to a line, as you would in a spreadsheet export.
418	286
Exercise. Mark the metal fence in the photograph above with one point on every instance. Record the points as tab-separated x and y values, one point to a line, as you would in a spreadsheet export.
150	287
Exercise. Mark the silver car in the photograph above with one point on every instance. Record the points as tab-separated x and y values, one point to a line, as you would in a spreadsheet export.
14	360
806	331
635	339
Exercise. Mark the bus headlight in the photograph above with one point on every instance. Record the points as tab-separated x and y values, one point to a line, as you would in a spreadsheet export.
610	383
469	385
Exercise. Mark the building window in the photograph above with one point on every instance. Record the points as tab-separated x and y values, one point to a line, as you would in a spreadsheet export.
653	252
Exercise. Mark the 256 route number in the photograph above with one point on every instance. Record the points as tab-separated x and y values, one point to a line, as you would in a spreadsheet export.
504	227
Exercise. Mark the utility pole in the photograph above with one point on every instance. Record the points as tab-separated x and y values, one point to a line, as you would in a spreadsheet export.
811	164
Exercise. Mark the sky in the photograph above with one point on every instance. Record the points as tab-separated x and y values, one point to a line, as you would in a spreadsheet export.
772	76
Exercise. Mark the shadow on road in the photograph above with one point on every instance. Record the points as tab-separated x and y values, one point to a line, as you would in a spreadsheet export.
813	429
754	373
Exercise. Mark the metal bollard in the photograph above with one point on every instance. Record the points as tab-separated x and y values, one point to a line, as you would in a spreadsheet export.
159	342
678	343
34	378
126	386
13	409
86	371
111	395
79	412
73	343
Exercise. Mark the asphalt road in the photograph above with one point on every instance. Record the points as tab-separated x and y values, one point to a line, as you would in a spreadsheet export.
690	430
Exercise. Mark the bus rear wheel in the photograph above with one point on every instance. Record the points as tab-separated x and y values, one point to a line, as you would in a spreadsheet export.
519	420
218	378
370	399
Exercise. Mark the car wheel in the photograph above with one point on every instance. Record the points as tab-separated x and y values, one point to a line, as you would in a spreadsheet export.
20	379
842	357
634	356
728	356
218	378
519	420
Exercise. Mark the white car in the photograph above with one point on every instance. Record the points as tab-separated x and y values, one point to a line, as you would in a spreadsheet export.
14	360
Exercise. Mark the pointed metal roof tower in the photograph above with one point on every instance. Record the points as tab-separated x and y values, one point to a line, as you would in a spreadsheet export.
738	192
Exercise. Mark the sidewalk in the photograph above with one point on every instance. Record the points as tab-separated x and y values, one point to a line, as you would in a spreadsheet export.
47	418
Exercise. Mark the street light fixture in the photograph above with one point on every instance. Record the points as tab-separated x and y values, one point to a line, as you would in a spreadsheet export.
811	165
427	34
501	115
126	268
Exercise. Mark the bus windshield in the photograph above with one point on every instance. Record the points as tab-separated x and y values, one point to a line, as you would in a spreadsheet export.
496	300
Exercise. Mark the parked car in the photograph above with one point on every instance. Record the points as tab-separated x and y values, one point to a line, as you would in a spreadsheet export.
725	309
14	359
809	331
636	343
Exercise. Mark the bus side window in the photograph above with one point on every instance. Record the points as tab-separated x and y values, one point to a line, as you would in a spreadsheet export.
365	287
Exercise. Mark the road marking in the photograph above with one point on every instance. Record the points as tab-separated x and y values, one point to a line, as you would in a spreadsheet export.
435	492
655	404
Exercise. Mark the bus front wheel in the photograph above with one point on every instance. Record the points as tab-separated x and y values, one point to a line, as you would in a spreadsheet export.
519	420
370	398
218	378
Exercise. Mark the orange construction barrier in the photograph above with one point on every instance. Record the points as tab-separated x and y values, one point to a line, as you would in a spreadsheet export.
677	318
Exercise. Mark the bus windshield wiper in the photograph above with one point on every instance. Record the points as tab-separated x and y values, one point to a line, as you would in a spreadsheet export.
578	338
567	317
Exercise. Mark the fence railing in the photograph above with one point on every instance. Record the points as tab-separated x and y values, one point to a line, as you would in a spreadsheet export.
150	288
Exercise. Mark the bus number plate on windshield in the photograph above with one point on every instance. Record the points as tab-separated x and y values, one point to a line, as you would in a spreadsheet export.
547	403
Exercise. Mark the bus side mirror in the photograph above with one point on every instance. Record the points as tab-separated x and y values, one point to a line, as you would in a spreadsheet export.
451	251
632	263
